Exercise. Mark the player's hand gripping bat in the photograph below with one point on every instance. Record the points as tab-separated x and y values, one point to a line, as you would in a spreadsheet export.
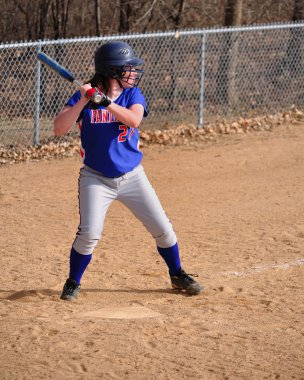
94	94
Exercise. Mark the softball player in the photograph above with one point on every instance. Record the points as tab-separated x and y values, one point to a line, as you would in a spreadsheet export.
112	163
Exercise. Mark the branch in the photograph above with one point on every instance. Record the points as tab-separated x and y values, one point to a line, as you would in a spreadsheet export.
204	13
145	15
263	13
20	8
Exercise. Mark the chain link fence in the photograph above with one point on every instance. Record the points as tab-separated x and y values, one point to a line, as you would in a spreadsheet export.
191	76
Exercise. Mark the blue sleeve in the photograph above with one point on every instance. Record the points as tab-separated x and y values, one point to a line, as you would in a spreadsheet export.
138	98
73	100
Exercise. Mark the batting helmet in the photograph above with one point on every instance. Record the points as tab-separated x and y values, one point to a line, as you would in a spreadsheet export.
112	59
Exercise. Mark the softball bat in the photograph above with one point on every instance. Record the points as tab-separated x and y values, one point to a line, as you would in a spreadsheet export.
65	74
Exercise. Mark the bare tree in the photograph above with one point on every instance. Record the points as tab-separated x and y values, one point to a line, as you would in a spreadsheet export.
293	59
60	16
226	78
43	14
40	19
298	10
77	16
35	16
233	12
255	14
295	41
125	16
28	11
145	19
97	17
173	13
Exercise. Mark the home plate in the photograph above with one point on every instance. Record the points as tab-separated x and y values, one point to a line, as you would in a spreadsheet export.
122	312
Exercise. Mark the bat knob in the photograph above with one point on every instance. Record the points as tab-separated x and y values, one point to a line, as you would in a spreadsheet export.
94	95
96	98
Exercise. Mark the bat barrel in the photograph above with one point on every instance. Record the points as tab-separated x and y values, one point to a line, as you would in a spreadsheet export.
55	66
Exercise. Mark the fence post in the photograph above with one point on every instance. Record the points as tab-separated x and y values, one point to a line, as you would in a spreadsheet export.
202	82
37	97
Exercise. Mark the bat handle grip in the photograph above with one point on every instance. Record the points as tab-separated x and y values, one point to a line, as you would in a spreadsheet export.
98	97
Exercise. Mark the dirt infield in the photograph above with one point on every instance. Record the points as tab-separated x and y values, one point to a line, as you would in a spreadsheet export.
237	206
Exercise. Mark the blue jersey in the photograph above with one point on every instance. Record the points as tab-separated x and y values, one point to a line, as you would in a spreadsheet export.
108	145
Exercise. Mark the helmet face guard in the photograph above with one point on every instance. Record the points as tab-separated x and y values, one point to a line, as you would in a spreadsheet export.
117	60
129	75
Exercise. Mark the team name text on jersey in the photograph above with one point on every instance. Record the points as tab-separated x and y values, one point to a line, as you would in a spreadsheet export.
102	116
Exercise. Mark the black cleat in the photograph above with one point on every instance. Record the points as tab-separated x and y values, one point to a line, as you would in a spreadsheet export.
70	290
184	281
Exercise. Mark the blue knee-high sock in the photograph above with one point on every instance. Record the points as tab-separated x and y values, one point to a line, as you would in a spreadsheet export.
171	257
78	264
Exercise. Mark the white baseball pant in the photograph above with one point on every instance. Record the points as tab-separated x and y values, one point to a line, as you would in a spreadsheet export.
134	190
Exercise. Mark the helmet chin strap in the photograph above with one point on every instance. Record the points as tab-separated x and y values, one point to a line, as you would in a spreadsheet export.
119	82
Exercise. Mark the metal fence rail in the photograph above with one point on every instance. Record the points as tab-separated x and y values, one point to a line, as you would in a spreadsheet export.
191	76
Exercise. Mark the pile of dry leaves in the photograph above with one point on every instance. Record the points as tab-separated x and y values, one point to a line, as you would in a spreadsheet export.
179	135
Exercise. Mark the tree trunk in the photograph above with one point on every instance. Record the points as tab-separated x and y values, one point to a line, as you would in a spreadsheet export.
65	11
176	20
60	13
298	10
226	78
293	50
97	17
81	15
125	15
233	12
31	18
43	14
293	59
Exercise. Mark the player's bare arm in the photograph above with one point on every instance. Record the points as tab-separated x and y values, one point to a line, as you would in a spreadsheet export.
65	120
131	117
